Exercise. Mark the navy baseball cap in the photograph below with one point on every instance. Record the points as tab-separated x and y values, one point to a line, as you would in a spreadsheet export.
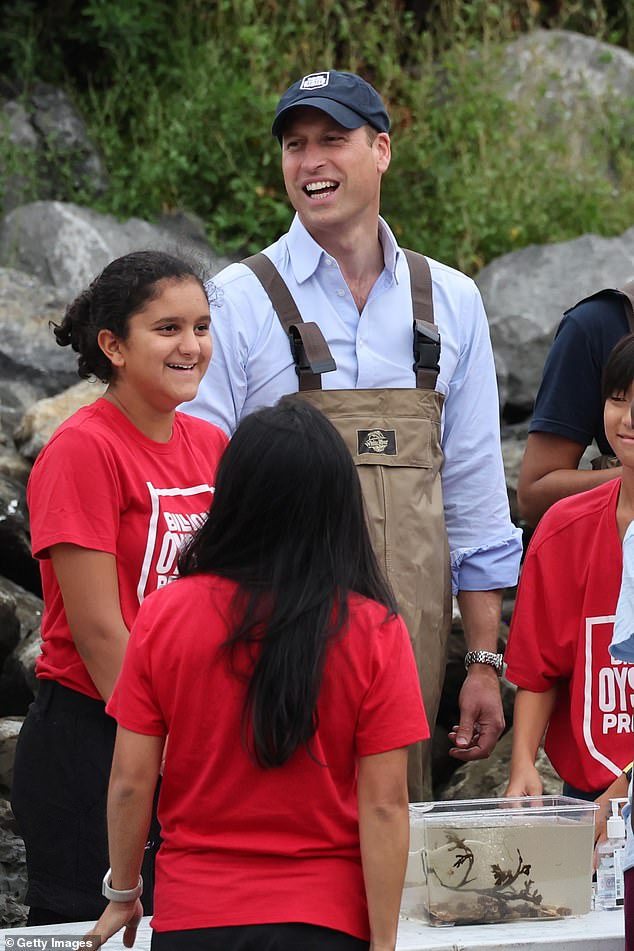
346	97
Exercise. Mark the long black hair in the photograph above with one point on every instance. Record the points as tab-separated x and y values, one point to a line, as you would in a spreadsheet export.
288	525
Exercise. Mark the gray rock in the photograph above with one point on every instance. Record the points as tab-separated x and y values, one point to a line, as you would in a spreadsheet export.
19	127
18	166
16	562
12	464
563	74
65	137
19	670
488	778
32	365
9	624
526	292
42	419
17	675
13	912
9	730
52	152
67	246
512	453
13	879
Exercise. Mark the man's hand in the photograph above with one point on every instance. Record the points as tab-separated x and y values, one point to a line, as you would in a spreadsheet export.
481	715
117	915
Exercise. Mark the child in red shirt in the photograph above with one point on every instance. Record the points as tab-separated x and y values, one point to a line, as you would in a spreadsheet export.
568	684
288	687
112	497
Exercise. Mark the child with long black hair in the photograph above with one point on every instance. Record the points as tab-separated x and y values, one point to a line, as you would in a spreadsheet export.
287	684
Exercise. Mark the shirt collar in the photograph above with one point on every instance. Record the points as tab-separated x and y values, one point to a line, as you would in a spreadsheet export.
391	250
305	254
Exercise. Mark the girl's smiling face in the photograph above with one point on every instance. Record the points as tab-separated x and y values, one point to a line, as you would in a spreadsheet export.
164	356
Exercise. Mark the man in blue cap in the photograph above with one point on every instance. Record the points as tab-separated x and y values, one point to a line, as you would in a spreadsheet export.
395	349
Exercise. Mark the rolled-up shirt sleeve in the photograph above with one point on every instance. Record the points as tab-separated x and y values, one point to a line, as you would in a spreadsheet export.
485	546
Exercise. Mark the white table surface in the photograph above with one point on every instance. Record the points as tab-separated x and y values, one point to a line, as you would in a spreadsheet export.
597	931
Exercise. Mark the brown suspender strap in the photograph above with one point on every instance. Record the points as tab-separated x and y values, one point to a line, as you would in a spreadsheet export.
628	293
274	285
426	336
420	280
310	351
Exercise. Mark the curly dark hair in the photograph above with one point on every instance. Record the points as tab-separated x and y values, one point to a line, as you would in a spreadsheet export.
122	289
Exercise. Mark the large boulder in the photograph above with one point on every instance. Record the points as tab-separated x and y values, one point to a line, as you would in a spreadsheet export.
525	294
13	879
32	363
12	465
15	547
9	731
9	624
488	778
17	673
570	79
42	419
67	245
52	150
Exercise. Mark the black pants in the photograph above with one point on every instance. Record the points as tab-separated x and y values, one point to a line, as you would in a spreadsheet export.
569	790
60	786
292	936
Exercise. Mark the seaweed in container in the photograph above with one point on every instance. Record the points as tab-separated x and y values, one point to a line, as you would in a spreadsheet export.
481	873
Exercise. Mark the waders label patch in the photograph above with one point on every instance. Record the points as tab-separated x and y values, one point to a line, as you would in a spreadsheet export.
382	441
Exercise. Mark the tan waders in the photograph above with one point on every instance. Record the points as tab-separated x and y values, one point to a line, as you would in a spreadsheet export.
394	438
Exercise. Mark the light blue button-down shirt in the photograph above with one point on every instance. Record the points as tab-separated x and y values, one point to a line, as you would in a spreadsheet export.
252	367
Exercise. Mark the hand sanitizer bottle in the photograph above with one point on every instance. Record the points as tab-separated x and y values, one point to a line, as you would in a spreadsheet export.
610	890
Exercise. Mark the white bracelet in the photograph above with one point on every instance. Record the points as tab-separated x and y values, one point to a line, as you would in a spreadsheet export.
120	894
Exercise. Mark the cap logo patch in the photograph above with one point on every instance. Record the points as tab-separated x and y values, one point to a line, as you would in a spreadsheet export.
315	81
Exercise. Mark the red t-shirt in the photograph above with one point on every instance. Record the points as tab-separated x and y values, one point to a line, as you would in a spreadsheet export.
101	484
560	632
242	844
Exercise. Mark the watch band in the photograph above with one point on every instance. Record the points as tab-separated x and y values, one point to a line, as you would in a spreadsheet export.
484	657
120	894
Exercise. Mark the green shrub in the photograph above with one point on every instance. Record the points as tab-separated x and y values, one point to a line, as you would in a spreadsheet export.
179	99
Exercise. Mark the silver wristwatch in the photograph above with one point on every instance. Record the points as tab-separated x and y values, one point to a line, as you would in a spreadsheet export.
120	894
484	657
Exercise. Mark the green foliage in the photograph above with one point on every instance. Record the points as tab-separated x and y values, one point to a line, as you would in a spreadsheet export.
18	171
179	98
486	175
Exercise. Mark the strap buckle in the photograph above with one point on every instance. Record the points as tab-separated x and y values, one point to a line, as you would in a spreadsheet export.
426	347
309	349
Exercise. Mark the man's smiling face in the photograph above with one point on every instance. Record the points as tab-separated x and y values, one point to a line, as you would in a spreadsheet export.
332	174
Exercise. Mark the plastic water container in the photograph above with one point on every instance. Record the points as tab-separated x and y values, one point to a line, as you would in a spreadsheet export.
492	860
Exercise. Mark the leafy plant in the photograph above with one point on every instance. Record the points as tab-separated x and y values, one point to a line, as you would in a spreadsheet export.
179	97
